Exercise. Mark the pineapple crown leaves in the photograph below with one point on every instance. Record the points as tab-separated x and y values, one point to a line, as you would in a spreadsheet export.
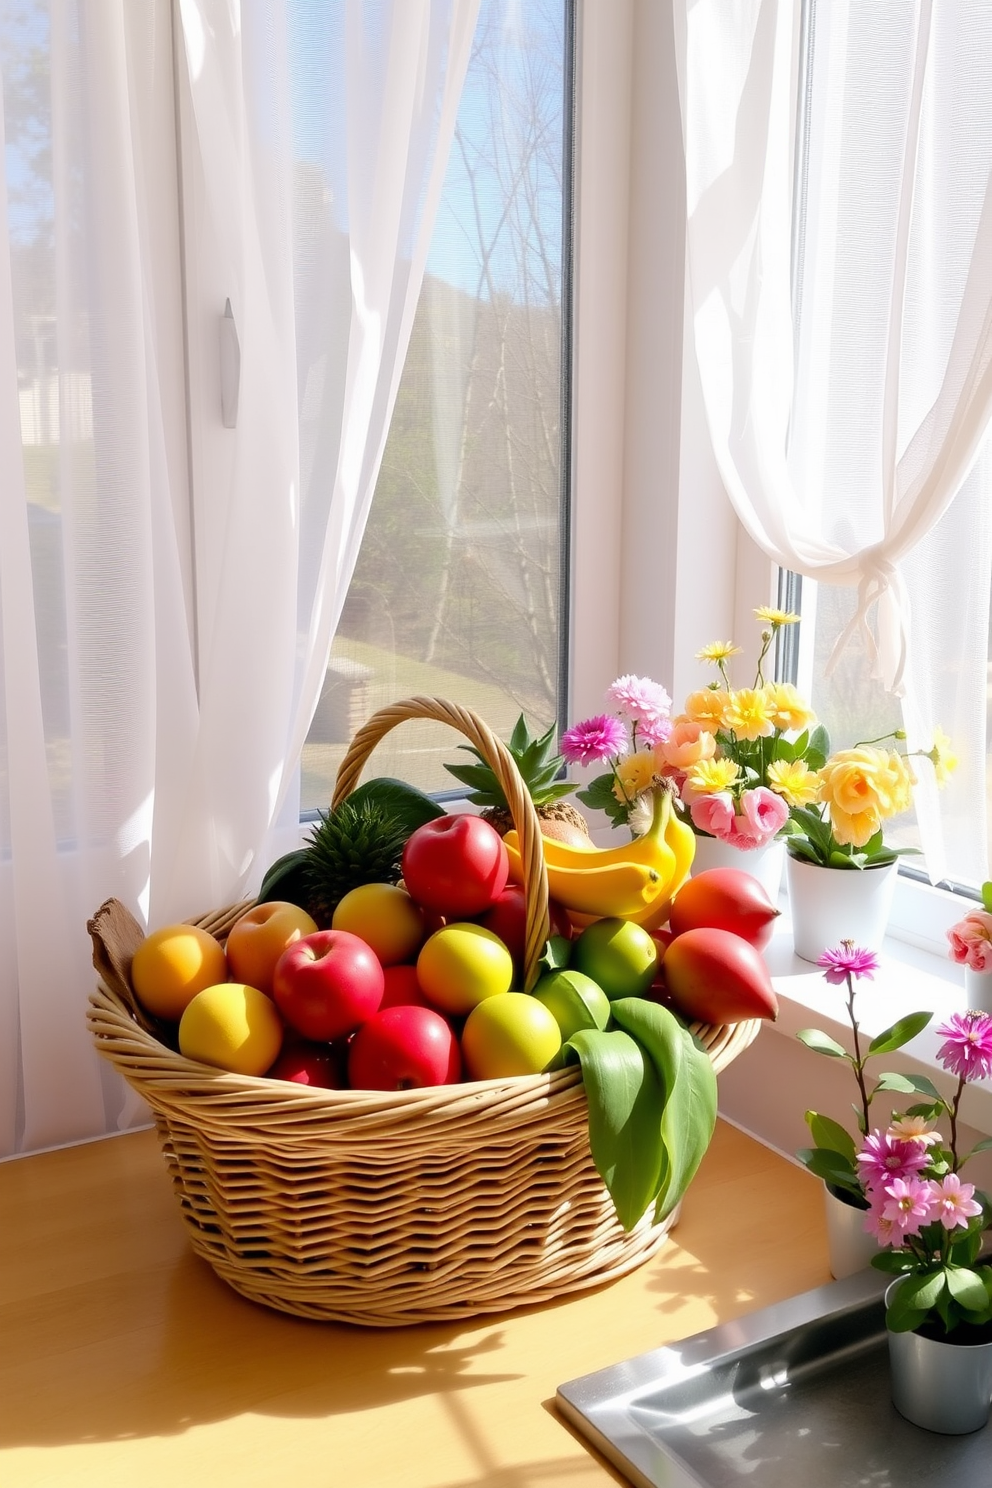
359	842
533	756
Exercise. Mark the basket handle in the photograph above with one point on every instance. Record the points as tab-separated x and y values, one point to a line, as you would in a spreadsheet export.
501	762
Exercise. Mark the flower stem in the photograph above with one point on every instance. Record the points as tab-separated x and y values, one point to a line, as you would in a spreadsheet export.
954	1123
858	1062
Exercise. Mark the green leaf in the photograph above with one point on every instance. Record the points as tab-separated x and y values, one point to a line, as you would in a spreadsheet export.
599	796
893	1262
830	1134
922	1293
908	1084
825	1163
404	803
900	1033
557	954
967	1289
688	1080
985	1145
625	1100
819	743
822	1043
987	896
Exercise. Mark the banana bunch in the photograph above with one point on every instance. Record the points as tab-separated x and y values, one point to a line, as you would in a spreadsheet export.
635	881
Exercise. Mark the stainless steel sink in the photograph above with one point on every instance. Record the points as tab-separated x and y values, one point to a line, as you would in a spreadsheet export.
793	1396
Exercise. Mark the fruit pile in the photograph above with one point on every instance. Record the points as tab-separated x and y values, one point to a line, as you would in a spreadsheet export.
421	982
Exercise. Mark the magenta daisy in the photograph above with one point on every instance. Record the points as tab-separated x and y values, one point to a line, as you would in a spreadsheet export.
846	960
967	1050
639	699
882	1159
594	741
909	1204
953	1202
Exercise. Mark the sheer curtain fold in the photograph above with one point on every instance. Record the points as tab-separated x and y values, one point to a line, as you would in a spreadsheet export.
840	281
739	122
151	730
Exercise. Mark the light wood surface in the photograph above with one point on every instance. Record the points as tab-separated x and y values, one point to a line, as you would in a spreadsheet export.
125	1361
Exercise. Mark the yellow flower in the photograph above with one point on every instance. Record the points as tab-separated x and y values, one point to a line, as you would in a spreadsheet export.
853	829
635	774
794	781
707	708
775	618
711	776
718	651
748	714
944	760
788	711
861	787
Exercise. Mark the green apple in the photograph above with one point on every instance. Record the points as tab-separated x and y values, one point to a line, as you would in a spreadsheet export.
619	955
510	1034
575	1000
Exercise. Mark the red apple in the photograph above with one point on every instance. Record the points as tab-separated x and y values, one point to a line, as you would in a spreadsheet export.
507	918
306	1063
327	984
402	988
456	865
404	1048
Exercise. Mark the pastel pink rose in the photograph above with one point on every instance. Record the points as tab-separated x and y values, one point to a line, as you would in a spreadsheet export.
970	941
714	814
764	814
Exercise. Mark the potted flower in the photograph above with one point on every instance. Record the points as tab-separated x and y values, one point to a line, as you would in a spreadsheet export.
833	1158
743	757
970	941
931	1223
839	829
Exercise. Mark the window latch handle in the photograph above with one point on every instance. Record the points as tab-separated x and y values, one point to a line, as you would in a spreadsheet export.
230	368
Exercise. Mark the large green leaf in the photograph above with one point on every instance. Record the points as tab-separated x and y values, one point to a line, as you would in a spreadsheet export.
900	1033
827	1164
689	1082
908	1085
967	1288
829	1133
625	1100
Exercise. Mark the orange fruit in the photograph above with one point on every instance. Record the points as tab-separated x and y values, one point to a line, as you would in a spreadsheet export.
385	917
172	965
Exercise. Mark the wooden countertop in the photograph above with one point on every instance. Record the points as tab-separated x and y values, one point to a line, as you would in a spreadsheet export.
125	1361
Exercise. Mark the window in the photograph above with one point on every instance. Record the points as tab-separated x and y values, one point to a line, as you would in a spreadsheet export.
460	586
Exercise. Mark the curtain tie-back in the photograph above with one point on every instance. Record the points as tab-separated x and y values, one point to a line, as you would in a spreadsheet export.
880	585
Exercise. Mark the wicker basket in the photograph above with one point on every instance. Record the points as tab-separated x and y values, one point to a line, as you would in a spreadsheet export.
371	1208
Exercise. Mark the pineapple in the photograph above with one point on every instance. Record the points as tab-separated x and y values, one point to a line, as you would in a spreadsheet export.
539	768
359	842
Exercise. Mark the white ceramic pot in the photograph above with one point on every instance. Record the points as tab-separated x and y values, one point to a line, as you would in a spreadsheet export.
765	863
829	905
978	990
944	1387
849	1245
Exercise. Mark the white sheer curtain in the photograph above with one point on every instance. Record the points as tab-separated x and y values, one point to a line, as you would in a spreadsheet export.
160	668
847	373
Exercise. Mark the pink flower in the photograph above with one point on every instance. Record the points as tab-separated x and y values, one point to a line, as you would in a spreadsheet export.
714	814
765	812
886	1231
909	1203
594	741
846	960
640	700
967	1051
882	1159
953	1201
654	732
971	941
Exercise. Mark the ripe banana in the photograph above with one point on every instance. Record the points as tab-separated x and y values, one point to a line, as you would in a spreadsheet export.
652	848
619	889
